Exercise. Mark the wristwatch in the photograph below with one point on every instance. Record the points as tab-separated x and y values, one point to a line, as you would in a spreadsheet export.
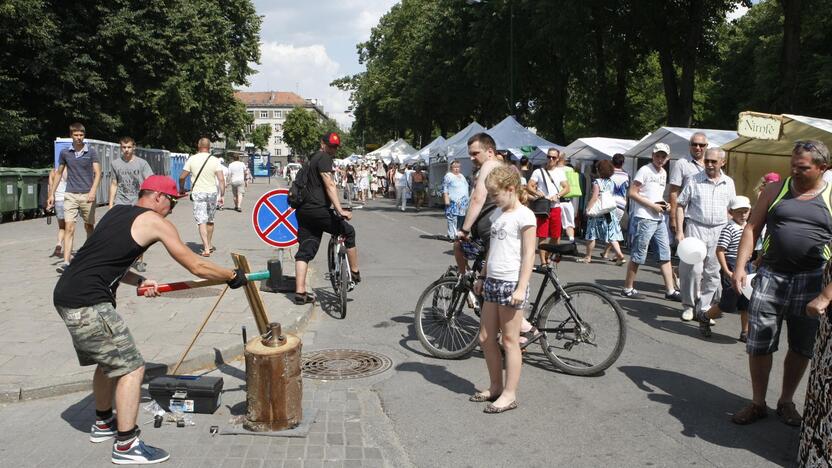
466	231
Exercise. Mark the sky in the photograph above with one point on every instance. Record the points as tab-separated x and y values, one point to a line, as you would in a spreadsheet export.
307	44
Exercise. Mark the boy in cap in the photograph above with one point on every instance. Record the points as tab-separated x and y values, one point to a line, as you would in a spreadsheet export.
726	253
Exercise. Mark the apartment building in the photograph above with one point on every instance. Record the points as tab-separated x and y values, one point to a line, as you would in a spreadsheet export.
270	108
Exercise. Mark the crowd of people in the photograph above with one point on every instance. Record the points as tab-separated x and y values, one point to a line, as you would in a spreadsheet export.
511	208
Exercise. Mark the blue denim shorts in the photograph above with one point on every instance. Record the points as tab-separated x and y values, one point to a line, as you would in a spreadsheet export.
650	233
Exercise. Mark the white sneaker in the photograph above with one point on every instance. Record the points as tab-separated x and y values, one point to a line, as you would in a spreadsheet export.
687	314
711	322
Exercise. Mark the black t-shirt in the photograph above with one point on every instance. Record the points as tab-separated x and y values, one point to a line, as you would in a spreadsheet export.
94	274
318	163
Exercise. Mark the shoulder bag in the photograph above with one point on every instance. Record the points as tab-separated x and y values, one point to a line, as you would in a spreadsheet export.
603	205
540	206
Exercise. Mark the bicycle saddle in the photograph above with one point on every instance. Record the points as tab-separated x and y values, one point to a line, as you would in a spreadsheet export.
561	249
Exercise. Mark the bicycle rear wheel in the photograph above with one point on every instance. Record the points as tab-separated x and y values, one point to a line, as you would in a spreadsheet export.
344	282
585	334
446	320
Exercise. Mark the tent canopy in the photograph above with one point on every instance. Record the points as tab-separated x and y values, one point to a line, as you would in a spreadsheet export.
456	147
397	152
424	153
596	148
510	135
751	158
378	152
679	141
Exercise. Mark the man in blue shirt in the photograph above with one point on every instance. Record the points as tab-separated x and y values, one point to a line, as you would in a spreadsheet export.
83	175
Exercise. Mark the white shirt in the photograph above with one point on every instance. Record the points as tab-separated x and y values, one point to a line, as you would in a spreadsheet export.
652	186
545	185
237	172
683	169
400	179
504	251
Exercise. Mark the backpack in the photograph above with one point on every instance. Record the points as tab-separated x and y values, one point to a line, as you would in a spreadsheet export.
299	191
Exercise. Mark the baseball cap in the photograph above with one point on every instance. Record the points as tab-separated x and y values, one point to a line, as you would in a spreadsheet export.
771	177
739	201
661	148
331	139
161	184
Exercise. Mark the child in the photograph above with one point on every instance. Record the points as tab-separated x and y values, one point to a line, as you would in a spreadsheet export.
506	287
726	253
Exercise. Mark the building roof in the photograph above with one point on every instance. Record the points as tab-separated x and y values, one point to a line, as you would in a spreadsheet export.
271	99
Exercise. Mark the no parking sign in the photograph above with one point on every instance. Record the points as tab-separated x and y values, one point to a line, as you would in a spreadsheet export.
274	220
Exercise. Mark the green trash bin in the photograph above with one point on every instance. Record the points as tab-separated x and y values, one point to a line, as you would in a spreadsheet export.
27	185
8	191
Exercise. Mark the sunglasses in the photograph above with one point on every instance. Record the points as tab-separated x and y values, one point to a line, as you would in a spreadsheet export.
172	200
805	145
551	157
699	145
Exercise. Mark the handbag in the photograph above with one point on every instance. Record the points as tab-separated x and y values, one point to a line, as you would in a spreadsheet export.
193	182
605	203
574	180
540	206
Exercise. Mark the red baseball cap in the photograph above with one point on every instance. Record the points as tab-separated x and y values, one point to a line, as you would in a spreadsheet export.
161	184
331	139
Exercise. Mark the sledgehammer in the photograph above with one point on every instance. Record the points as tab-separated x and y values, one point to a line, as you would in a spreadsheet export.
201	283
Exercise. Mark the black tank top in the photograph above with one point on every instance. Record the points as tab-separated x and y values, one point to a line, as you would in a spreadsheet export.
93	276
798	232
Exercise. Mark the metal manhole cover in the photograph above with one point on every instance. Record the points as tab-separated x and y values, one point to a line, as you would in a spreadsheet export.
339	364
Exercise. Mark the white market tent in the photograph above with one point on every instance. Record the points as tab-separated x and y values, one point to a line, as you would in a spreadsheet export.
398	152
678	139
456	147
423	154
378	152
510	135
597	148
751	158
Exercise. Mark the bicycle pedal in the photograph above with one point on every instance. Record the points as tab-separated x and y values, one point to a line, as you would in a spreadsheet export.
351	286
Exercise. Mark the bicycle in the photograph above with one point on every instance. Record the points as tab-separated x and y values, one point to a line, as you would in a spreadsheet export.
340	274
582	329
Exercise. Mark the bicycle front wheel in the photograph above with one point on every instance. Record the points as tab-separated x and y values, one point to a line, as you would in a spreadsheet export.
330	263
344	279
586	333
446	319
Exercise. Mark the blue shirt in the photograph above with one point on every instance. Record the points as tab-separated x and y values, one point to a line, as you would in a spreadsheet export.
457	189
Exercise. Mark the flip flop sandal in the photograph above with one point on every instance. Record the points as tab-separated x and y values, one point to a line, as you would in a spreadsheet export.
213	249
481	397
582	260
491	409
206	254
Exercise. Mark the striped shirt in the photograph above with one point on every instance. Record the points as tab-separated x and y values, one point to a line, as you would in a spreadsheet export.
706	201
729	239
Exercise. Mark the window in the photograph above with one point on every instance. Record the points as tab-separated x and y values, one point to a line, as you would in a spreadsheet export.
276	127
278	114
264	114
277	152
251	113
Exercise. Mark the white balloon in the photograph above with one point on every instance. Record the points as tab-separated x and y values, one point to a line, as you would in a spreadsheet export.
691	250
747	289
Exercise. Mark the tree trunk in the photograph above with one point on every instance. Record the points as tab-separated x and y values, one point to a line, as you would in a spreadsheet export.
790	56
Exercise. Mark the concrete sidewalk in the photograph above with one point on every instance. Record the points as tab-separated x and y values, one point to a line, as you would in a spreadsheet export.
36	355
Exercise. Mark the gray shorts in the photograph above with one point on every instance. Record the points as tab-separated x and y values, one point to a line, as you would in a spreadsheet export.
101	337
205	206
237	189
59	210
779	296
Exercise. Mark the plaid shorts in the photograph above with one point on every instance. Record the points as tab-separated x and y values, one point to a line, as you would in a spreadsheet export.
499	292
205	205
779	296
101	337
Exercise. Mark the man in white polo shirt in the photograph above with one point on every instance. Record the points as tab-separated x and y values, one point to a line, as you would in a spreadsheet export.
649	224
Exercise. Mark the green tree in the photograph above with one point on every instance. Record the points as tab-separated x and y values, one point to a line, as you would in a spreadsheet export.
259	137
302	132
162	72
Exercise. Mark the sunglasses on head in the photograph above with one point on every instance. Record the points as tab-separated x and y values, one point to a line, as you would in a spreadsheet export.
808	146
698	145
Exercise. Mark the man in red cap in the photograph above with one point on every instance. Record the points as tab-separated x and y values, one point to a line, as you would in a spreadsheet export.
85	298
316	217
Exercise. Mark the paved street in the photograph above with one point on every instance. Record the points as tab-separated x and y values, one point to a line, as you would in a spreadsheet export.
666	402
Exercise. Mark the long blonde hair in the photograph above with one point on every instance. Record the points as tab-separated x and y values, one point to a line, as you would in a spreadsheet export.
504	177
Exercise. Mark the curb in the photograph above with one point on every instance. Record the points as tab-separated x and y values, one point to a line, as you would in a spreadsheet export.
37	389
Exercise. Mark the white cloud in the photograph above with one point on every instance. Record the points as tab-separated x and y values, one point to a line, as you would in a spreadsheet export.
305	70
306	45
737	12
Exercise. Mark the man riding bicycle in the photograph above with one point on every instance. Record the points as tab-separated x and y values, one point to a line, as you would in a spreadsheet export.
316	217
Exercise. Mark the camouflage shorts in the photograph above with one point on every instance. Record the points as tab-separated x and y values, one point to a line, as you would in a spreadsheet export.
101	337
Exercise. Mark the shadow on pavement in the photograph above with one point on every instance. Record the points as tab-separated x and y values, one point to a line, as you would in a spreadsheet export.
329	302
410	336
440	376
705	412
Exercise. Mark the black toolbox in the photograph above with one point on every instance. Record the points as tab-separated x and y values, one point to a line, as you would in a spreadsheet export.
187	393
